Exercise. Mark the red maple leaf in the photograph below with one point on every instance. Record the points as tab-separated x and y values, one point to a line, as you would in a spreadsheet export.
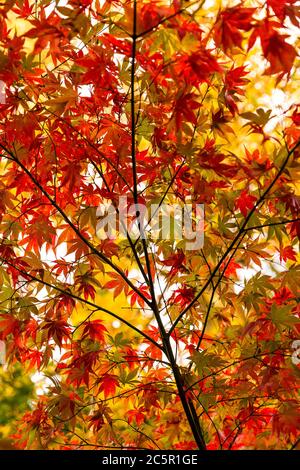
276	50
295	229
185	445
131	357
210	157
184	109
135	297
229	24
136	416
34	357
287	253
94	330
245	202
108	384
283	8
231	268
279	53
176	261
183	296
117	284
287	421
282	296
25	9
97	421
58	330
296	116
234	81
8	324
197	67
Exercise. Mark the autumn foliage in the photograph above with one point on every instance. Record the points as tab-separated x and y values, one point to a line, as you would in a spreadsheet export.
144	343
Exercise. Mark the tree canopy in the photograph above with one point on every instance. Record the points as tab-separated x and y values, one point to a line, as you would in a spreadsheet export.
148	341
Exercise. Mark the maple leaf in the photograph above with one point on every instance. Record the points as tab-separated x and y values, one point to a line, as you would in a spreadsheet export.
233	83
8	324
295	229
219	123
245	202
281	316
136	298
283	8
276	50
258	119
49	31
25	10
34	357
37	416
183	296
279	53
185	445
229	24
205	362
87	284
64	404
282	296
66	303
58	330
109	248
150	15
234	79
211	158
78	376
71	170
176	262
138	416
97	421
296	116
108	385
117	283
81	368
151	350
185	105
131	357
231	268
287	253
287	421
95	330
292	203
197	67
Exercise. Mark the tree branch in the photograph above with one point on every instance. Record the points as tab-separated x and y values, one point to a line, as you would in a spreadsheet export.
87	302
75	229
236	238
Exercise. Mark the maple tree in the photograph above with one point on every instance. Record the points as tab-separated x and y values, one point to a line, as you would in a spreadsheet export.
143	342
